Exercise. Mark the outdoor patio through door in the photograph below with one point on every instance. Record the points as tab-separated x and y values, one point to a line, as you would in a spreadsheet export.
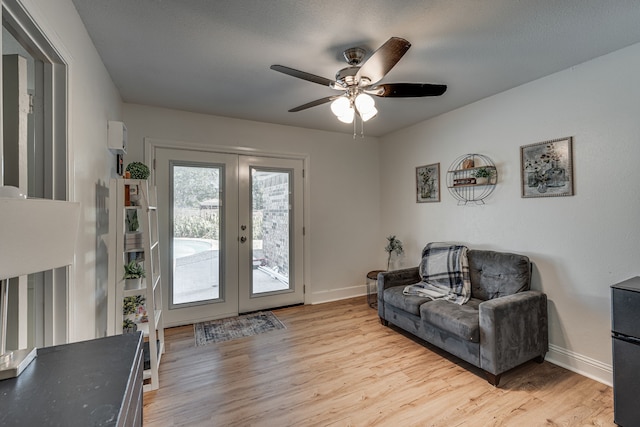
234	230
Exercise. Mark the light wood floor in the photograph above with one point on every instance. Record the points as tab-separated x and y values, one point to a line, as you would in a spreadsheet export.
336	365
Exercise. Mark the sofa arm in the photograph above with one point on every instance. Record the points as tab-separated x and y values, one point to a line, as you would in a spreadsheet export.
513	330
404	277
389	279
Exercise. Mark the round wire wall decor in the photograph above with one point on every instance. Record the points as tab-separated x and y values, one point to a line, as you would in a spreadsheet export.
471	178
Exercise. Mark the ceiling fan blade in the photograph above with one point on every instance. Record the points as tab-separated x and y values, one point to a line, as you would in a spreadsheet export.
314	103
303	75
407	90
383	59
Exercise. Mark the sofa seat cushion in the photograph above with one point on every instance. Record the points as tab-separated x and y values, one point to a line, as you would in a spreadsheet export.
410	303
462	321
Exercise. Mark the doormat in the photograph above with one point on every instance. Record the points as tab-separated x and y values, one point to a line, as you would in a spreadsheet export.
232	328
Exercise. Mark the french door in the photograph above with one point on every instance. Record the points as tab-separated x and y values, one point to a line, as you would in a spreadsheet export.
232	233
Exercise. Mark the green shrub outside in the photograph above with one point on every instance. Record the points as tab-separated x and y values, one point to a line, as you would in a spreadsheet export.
195	226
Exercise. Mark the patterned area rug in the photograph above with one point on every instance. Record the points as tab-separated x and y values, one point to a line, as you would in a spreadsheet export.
232	328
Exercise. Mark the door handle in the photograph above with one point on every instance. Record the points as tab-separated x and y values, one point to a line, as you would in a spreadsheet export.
243	239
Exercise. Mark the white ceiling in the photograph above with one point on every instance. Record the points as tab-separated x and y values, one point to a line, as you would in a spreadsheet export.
213	56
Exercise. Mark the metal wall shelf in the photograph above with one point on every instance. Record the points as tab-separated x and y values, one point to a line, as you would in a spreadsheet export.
462	183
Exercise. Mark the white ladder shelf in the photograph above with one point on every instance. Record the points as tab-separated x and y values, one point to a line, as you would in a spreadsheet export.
143	247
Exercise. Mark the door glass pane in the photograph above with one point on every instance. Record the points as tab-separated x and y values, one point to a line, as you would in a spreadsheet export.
196	233
271	230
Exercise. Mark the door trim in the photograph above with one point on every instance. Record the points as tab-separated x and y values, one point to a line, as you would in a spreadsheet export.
152	144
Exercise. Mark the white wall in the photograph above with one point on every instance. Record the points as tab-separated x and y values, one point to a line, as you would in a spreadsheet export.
580	245
93	99
343	201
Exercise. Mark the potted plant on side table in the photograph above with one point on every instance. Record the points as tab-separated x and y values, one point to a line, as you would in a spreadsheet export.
133	274
393	246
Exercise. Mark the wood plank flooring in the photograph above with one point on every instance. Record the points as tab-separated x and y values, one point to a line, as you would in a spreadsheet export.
336	365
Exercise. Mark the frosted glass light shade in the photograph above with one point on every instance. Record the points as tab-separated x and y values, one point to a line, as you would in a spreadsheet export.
366	106
364	103
341	106
347	117
369	114
343	110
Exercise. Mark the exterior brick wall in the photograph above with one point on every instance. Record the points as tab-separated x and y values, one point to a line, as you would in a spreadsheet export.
275	221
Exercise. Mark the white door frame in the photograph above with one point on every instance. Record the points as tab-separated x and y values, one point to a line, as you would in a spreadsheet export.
153	144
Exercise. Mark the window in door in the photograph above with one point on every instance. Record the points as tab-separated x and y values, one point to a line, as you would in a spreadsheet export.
197	218
270	206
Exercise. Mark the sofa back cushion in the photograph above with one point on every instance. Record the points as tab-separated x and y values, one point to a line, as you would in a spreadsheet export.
497	274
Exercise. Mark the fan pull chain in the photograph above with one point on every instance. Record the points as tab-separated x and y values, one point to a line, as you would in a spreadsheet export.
355	132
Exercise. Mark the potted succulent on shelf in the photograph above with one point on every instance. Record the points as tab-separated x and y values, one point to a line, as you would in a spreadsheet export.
138	170
483	175
133	274
132	221
133	311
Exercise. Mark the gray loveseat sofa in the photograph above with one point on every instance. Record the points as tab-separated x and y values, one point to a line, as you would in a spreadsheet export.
503	325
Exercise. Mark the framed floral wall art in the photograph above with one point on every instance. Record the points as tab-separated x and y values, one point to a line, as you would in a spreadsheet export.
428	183
547	168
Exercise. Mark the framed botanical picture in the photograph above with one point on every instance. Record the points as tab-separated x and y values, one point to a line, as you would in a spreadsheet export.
547	168
428	183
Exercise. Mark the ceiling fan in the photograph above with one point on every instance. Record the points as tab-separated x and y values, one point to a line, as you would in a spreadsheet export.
360	80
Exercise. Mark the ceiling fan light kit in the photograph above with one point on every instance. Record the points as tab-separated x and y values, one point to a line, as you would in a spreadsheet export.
345	107
361	80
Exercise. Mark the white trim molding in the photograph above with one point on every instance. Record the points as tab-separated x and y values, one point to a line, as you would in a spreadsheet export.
580	364
337	294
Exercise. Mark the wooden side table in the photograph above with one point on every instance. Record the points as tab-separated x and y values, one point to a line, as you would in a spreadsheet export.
372	288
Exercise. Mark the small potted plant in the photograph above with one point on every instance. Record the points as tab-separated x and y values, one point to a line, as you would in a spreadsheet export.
132	307
393	246
483	175
132	221
133	274
138	170
129	326
133	236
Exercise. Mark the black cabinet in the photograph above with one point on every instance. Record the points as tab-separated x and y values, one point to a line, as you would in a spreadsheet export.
89	383
625	331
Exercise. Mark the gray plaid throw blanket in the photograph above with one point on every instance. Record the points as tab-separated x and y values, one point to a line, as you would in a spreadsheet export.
445	274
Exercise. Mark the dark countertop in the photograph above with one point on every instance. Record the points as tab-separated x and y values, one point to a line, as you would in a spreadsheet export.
632	284
78	384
